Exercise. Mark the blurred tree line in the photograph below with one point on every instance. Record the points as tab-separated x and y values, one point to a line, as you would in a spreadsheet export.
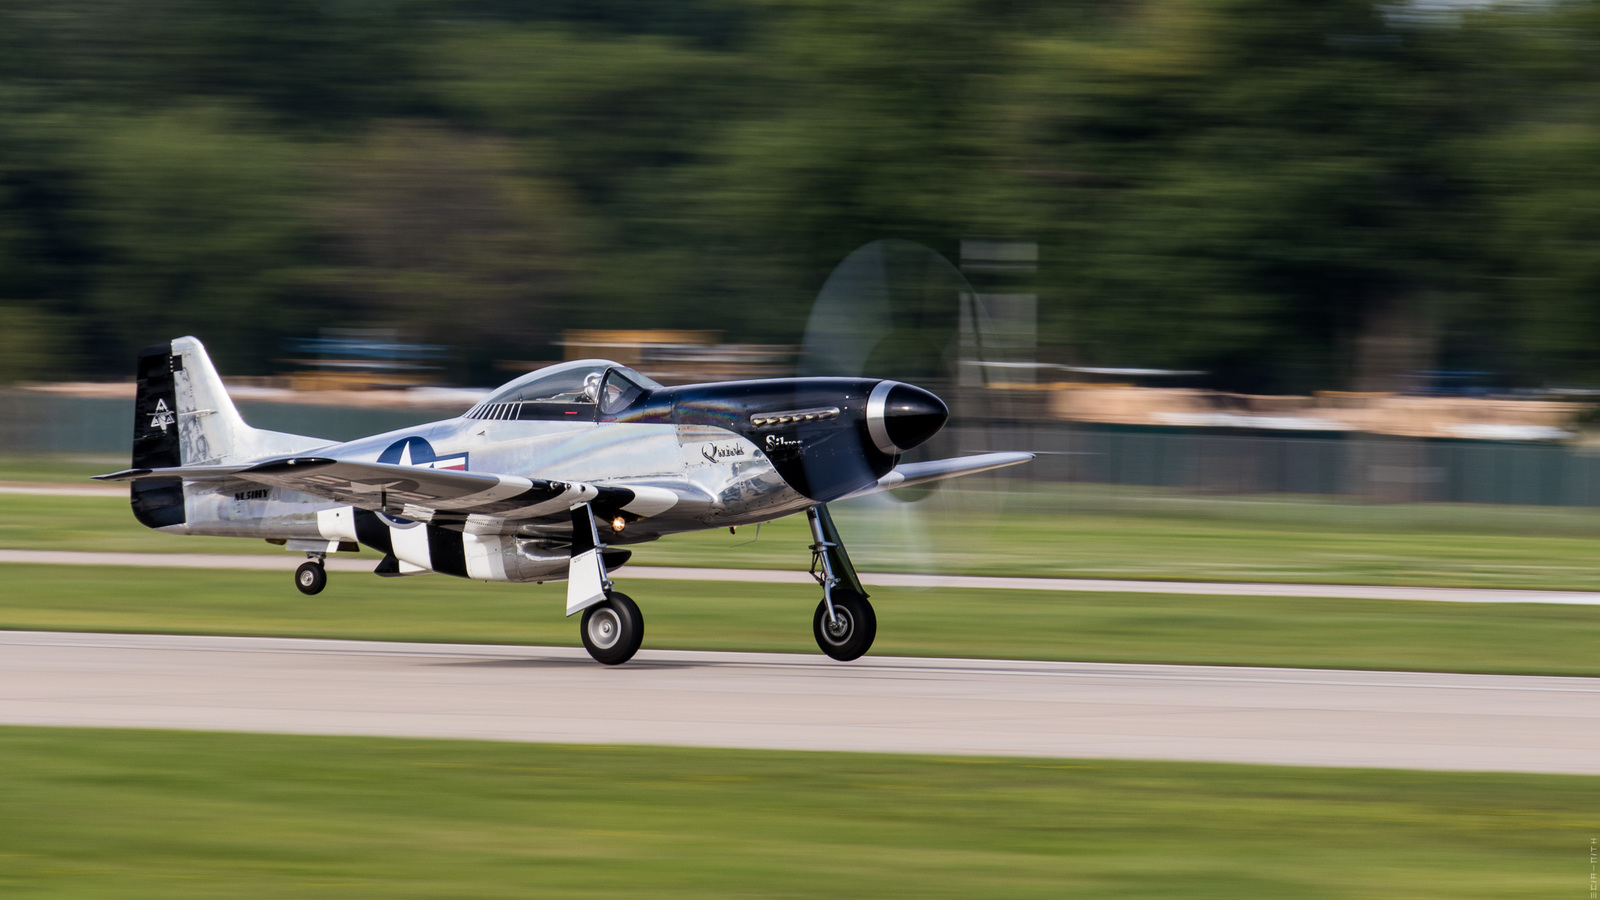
1289	195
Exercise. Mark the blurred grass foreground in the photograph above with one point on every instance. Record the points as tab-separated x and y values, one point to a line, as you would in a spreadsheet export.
138	814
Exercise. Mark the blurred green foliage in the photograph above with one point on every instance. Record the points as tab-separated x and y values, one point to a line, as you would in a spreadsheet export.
1290	196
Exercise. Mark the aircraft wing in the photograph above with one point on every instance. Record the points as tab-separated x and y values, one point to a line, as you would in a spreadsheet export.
407	491
907	474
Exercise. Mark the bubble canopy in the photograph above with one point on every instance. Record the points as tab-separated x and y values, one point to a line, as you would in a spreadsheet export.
564	390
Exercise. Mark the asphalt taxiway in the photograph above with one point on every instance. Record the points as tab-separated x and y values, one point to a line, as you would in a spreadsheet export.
781	701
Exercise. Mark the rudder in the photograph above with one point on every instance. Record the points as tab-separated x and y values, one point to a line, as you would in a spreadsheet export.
157	503
155	410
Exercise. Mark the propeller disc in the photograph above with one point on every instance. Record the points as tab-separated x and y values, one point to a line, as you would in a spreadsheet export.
896	309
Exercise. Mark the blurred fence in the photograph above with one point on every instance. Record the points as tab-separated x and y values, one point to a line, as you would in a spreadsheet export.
43	423
1383	469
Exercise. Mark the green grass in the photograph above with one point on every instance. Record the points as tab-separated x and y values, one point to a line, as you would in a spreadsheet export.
1146	538
100	524
1400	546
62	468
1156	628
135	814
1059	530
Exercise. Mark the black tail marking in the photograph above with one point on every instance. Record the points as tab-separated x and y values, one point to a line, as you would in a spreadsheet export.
156	503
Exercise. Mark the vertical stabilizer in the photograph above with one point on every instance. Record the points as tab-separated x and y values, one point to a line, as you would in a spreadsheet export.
183	416
210	429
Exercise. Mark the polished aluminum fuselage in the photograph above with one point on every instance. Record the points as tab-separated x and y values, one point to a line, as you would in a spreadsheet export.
515	479
719	478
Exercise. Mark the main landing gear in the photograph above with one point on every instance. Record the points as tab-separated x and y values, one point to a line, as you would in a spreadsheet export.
612	628
844	624
312	576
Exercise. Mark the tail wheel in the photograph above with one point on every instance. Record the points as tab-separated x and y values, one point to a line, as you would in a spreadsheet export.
613	629
310	578
850	633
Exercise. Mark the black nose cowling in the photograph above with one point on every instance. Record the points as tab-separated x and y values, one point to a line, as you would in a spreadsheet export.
901	416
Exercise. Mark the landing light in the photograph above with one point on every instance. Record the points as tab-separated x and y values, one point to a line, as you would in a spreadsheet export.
618	524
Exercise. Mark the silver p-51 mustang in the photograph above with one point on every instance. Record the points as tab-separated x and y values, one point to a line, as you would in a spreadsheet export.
549	478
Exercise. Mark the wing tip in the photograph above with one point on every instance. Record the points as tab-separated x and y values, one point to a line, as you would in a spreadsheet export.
124	475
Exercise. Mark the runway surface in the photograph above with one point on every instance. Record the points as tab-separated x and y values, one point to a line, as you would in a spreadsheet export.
752	700
286	563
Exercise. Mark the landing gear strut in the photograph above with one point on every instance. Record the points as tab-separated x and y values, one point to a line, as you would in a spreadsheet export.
612	628
312	576
844	624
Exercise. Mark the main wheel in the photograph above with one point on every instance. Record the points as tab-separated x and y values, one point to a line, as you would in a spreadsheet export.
613	629
311	577
855	625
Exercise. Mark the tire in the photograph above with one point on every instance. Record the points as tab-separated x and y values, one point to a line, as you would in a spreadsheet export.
612	629
858	624
310	578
